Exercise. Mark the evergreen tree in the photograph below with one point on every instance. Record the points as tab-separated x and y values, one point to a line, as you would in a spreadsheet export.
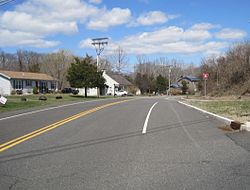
184	87
161	83
84	74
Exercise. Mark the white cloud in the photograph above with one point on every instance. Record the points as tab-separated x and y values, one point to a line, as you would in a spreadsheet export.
87	43
95	1
196	35
17	38
27	23
228	33
204	26
171	34
167	40
105	19
33	21
42	18
151	18
58	10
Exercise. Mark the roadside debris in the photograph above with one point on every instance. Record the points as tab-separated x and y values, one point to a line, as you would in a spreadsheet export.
3	100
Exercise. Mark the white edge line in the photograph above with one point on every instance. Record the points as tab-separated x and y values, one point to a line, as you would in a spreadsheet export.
144	130
204	111
46	109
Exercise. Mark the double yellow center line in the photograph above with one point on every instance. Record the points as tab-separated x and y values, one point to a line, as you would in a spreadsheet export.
40	131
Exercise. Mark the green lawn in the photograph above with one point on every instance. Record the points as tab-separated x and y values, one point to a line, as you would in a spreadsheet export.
231	108
15	103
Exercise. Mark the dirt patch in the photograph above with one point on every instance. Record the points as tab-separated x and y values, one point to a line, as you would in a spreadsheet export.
225	128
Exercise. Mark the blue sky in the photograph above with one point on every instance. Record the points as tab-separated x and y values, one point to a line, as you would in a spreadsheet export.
181	29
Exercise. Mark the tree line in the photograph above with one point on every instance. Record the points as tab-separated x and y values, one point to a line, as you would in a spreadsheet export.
57	64
149	76
54	64
228	73
152	76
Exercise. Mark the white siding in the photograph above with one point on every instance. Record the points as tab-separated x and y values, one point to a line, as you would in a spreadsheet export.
90	91
27	89
5	86
49	85
110	83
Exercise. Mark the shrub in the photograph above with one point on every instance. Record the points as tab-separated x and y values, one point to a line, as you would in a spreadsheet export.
59	97
35	90
43	98
175	92
184	87
23	99
75	92
19	92
13	92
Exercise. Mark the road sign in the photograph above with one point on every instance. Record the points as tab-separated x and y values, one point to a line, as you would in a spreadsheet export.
3	100
205	76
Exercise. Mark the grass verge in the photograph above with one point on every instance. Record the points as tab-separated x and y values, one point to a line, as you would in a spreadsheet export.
15	103
234	109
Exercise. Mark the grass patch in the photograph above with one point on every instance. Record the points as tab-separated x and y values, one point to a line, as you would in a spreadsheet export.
232	108
15	103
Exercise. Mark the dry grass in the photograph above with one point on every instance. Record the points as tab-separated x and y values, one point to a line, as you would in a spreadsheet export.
231	107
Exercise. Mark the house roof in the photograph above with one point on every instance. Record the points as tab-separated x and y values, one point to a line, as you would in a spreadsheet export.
190	78
175	86
120	79
26	75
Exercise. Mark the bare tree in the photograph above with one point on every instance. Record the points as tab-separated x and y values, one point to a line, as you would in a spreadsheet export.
8	61
119	59
21	59
105	64
2	60
57	64
28	60
34	61
229	74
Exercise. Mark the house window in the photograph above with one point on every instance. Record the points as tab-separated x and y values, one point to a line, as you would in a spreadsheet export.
18	84
53	85
43	84
28	83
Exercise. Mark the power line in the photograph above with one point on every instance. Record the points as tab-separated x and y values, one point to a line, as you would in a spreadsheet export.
4	2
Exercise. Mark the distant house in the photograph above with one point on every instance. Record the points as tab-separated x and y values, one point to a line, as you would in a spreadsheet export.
191	81
175	86
114	82
25	82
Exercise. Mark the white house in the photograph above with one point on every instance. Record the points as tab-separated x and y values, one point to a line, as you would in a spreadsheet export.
25	82
90	91
114	82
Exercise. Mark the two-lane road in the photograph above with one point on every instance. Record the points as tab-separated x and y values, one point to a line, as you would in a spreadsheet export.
146	143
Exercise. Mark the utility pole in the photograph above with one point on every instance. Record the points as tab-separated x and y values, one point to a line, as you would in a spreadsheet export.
99	44
205	87
169	76
205	77
249	61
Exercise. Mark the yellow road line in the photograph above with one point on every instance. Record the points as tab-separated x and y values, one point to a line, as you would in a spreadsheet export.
40	131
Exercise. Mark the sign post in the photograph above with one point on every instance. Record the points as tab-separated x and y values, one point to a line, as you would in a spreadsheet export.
3	100
205	77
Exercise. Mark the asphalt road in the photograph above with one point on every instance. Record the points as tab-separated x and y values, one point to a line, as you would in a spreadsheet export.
181	149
